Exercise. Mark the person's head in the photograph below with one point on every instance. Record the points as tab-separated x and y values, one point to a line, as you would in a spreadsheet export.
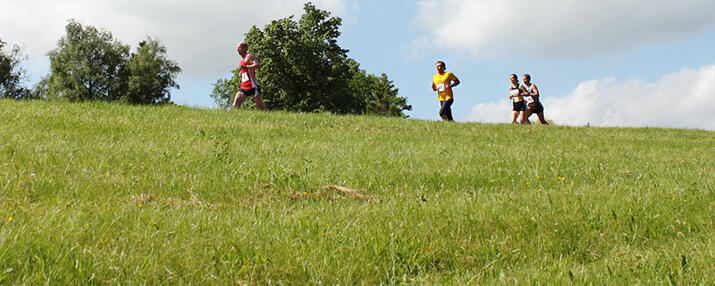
514	79
527	78
242	48
440	66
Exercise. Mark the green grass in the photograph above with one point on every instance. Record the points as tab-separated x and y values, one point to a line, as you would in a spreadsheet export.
103	193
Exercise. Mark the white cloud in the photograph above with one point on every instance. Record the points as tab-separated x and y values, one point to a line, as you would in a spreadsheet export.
200	35
557	28
683	99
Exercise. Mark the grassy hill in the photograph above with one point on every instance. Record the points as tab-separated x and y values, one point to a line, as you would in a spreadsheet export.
103	193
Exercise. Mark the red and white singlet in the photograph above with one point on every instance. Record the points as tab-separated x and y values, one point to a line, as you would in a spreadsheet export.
248	78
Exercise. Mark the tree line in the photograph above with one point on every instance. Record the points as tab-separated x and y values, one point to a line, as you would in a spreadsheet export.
303	70
89	64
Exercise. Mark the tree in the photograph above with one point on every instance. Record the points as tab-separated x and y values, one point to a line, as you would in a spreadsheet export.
11	74
380	94
304	69
152	74
88	64
41	90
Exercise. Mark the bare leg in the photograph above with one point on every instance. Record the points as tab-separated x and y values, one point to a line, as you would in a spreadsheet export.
541	118
238	100
514	114
259	102
523	118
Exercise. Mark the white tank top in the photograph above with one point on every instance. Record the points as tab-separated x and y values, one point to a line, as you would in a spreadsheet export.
514	92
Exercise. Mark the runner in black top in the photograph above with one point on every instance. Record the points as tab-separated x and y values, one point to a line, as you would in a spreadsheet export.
532	98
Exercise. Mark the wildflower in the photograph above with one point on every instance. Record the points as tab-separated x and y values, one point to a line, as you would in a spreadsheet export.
700	174
538	177
9	219
528	182
141	205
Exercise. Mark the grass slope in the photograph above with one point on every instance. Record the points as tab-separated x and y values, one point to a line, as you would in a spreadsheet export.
102	193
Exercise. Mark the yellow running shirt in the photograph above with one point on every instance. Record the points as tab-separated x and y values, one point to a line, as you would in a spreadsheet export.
439	80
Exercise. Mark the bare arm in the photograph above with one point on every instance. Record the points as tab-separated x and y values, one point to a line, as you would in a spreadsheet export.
251	63
535	93
454	83
511	90
523	90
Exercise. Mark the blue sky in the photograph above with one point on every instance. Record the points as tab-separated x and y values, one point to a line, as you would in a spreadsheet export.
607	63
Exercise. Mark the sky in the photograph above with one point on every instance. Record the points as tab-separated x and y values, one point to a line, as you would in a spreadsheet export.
613	63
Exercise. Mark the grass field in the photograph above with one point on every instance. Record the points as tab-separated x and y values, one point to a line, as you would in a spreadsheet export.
100	193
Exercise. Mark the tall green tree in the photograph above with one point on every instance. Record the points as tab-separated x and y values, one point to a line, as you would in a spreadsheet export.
304	69
152	74
11	74
88	64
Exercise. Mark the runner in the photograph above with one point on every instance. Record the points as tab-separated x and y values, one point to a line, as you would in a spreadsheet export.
249	84
442	83
517	97
534	104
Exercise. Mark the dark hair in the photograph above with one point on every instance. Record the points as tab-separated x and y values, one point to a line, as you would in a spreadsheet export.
443	64
527	76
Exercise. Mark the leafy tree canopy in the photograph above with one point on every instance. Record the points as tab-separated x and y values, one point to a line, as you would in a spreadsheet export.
11	74
152	74
89	64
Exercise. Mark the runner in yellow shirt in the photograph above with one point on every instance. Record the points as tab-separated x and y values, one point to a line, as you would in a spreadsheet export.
442	83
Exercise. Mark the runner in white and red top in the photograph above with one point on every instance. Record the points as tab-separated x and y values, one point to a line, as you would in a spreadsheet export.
249	84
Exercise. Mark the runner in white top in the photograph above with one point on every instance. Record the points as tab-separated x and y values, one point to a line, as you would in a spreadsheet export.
515	94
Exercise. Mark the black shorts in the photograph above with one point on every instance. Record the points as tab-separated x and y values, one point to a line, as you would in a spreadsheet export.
519	106
536	107
252	92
